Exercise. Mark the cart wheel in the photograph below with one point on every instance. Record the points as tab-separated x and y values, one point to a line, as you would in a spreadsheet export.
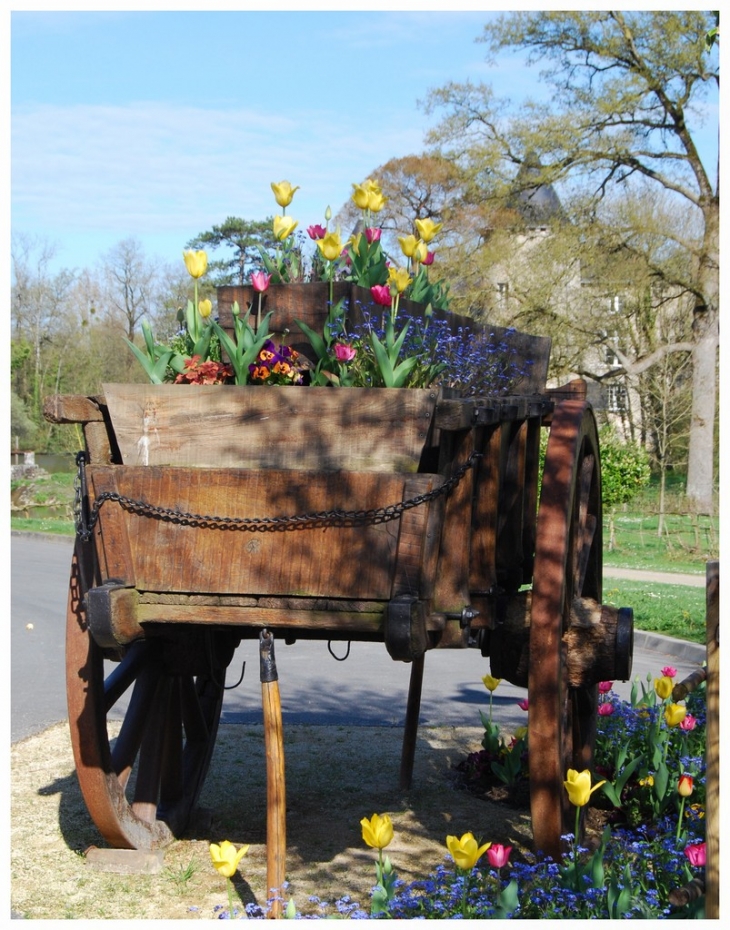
141	788
568	564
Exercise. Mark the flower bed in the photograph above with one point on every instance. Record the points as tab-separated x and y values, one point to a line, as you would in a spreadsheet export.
643	854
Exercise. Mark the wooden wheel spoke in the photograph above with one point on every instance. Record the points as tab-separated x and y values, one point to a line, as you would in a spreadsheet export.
124	674
151	754
135	723
193	716
585	524
172	782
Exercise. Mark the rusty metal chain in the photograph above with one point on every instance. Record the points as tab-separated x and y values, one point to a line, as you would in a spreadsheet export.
85	519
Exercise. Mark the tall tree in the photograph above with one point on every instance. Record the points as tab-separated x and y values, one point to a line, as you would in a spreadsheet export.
131	284
626	90
243	239
38	305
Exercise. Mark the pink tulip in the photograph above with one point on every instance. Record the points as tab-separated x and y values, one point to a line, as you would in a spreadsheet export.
498	855
523	704
372	234
696	853
605	709
381	294
343	352
260	281
428	260
316	232
604	686
688	724
669	671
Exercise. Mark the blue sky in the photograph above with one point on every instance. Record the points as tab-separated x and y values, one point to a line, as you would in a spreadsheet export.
159	125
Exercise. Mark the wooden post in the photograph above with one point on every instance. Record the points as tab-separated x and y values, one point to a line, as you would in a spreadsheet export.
275	780
712	867
410	731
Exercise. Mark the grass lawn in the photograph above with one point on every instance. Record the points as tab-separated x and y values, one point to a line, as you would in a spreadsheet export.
669	609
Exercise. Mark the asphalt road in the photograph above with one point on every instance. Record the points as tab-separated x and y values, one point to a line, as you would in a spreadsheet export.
368	689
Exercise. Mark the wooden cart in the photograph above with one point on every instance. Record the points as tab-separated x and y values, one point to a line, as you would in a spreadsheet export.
210	514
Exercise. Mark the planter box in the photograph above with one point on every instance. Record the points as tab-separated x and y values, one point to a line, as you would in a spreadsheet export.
309	302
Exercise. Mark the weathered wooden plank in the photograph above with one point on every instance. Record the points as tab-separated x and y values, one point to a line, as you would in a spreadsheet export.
451	591
71	408
352	562
322	429
482	567
510	539
530	498
455	413
110	535
408	576
96	438
311	620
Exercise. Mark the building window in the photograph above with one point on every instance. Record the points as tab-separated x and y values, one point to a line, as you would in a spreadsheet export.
616	398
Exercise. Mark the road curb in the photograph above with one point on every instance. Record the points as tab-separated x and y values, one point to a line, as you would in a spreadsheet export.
669	646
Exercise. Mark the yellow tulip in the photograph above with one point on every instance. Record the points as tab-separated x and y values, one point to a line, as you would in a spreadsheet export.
399	278
360	196
465	851
284	226
578	786
420	253
196	263
663	687
491	683
378	831
226	857
376	201
427	229
371	186
330	246
675	714
408	245
205	308
283	192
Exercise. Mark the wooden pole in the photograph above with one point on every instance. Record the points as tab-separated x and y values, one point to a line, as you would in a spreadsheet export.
410	732
712	814
275	779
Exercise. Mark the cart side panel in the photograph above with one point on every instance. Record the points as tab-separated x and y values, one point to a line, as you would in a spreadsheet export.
259	427
365	562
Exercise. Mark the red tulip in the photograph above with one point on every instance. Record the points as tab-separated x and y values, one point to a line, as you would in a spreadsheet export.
604	686
669	671
316	232
381	294
372	234
605	709
523	704
498	855
428	260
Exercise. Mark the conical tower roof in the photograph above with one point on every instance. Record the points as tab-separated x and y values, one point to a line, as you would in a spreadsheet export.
536	203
